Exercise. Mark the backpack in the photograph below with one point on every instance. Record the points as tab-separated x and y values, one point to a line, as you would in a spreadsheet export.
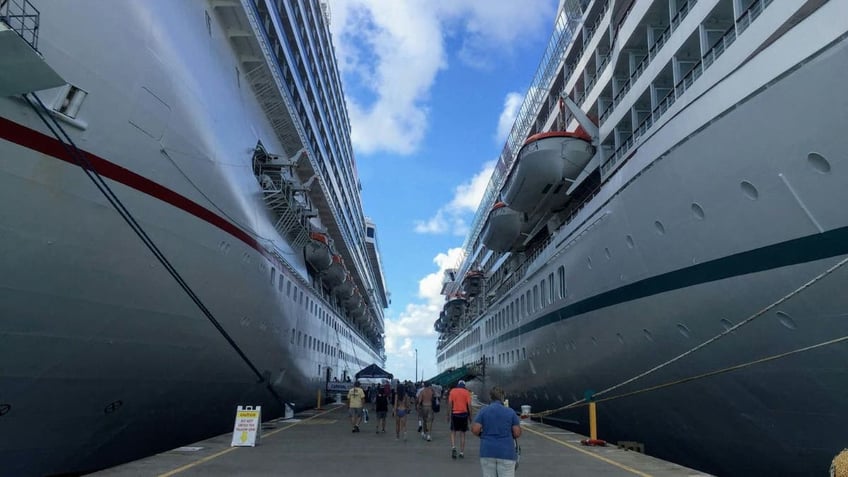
437	405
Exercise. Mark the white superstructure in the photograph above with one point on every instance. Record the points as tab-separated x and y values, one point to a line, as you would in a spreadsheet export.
706	233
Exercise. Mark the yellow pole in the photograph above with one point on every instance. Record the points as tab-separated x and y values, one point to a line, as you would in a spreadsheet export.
319	400
593	422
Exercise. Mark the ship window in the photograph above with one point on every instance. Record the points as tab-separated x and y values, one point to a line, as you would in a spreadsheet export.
369	232
561	276
544	296
273	275
551	287
280	283
299	336
535	297
523	307
288	288
292	336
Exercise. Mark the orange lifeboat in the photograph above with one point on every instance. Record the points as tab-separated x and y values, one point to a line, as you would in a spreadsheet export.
472	284
455	307
545	165
336	273
345	289
503	228
318	251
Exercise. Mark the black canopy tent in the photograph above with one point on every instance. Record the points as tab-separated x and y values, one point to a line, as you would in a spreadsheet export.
373	371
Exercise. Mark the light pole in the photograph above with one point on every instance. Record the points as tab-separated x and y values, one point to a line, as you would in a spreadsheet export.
416	365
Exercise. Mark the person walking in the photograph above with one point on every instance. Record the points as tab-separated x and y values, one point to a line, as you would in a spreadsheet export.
498	427
401	409
425	409
355	402
459	403
381	408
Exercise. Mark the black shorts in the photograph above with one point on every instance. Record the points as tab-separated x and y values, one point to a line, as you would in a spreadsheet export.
459	422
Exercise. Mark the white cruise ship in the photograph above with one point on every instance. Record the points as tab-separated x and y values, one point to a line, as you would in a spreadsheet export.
664	234
181	225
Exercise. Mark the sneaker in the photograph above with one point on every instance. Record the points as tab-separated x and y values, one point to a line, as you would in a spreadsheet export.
355	428
453	453
404	435
419	427
428	437
461	455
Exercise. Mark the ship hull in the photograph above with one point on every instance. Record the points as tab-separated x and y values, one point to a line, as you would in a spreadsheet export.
734	217
103	356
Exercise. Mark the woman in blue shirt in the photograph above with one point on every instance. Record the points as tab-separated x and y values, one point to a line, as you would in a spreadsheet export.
497	427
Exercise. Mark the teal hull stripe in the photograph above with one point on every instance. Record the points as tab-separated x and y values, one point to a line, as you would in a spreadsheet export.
793	252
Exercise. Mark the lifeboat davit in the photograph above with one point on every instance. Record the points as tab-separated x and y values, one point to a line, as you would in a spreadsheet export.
545	165
455	307
503	228
318	252
472	284
336	274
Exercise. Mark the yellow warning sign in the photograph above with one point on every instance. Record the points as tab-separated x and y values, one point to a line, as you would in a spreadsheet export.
248	426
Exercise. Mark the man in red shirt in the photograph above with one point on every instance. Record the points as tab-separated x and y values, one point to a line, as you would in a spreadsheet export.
459	403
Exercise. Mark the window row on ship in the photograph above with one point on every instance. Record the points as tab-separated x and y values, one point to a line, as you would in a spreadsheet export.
313	308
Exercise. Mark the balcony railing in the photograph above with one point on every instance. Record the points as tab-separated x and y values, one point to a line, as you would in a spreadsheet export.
23	18
719	47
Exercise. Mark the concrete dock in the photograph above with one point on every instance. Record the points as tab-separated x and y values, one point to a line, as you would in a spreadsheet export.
320	442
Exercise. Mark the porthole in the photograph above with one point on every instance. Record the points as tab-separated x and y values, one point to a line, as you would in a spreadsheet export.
683	329
648	335
660	228
629	240
819	163
589	262
749	190
697	211
607	253
786	320
620	338
726	324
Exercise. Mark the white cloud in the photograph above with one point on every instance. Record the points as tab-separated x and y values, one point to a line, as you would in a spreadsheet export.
416	320
390	53
512	103
451	217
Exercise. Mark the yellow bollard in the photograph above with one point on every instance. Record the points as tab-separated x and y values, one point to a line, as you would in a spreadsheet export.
319	400
593	422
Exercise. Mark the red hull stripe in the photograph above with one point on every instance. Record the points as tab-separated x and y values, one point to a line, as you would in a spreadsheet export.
50	146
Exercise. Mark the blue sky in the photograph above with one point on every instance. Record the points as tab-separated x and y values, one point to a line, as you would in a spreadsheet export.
432	88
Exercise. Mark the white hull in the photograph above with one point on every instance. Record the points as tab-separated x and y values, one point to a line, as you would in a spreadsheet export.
723	210
103	357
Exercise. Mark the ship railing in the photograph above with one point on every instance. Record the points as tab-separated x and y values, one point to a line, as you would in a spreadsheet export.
23	18
652	53
720	46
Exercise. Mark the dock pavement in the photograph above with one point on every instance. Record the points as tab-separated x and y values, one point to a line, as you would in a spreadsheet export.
320	443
